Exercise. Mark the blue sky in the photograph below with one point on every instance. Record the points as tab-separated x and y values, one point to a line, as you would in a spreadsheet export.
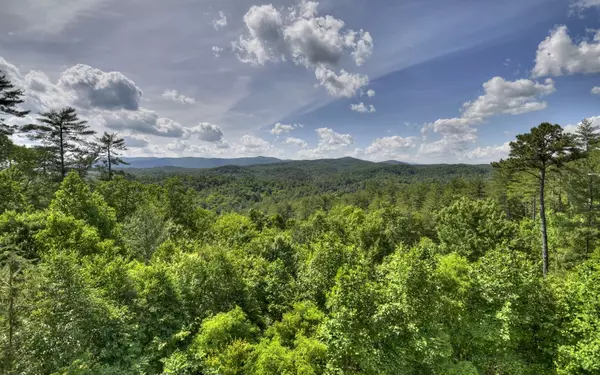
417	80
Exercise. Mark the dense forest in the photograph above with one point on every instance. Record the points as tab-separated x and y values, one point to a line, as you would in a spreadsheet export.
322	267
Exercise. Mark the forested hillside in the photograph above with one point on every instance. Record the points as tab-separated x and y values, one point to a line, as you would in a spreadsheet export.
323	267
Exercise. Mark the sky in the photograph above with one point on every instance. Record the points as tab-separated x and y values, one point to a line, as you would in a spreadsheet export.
422	81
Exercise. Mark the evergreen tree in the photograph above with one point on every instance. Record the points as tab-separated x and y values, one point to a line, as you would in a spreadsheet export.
109	145
10	98
64	135
584	184
536	152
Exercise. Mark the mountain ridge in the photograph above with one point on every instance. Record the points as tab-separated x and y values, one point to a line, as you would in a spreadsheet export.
209	163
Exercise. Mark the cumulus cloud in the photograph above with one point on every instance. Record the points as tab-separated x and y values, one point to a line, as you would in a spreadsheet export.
250	145
217	51
558	55
362	108
316	42
596	90
173	95
40	93
571	128
98	89
343	85
205	132
500	97
220	21
508	97
280	128
489	153
136	141
370	93
143	121
394	147
79	86
330	143
331	140
265	34
296	142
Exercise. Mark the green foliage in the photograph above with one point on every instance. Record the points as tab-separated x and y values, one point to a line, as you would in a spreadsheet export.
471	228
578	304
77	200
302	268
224	343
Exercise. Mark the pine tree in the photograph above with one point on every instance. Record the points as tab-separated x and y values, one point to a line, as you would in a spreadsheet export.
584	179
109	145
64	135
536	152
10	98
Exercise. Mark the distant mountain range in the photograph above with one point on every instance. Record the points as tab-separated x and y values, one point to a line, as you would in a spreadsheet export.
196	163
206	163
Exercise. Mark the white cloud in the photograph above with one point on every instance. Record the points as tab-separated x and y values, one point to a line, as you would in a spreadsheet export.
363	47
596	90
362	108
205	132
98	89
508	97
217	51
329	139
488	154
330	144
583	4
220	21
136	141
343	85
143	121
296	142
279	129
40	93
571	128
263	44
254	146
394	147
316	42
370	93
500	97
173	95
558	55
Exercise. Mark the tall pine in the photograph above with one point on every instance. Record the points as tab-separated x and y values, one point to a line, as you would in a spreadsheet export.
109	146
65	137
584	180
546	146
10	98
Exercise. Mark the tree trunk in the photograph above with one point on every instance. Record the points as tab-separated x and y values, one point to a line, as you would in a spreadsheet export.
590	213
109	165
63	171
543	219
